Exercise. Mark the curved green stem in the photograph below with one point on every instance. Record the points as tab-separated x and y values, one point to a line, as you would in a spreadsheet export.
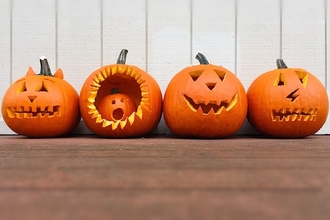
202	59
280	64
122	57
44	67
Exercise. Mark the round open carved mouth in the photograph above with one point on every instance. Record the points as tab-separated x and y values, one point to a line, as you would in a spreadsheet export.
214	106
296	114
33	111
113	72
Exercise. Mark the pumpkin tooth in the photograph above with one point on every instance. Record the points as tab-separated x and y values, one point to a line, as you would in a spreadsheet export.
220	110
294	117
140	81
144	87
287	118
137	76
96	80
233	102
91	106
114	70
106	123
131	118
92	96
100	76
95	84
10	113
129	71
105	74
145	105
306	117
122	69
139	112
99	119
123	123
115	125
108	70
95	114
133	73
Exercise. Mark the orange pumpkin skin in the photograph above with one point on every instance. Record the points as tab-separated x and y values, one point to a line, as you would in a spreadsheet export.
41	106
205	101
287	103
131	81
116	107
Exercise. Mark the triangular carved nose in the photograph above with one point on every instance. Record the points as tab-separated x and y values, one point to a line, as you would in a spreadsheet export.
32	98
210	85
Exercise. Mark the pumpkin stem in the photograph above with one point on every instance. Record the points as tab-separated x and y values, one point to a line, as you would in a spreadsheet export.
280	64
202	59
44	67
114	91
122	57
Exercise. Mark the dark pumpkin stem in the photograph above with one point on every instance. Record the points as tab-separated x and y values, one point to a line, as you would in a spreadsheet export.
44	67
122	57
114	91
280	64
202	59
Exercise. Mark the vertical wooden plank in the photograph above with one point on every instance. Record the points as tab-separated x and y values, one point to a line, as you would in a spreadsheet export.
258	38
169	41
213	31
79	39
4	55
33	35
258	42
304	38
124	26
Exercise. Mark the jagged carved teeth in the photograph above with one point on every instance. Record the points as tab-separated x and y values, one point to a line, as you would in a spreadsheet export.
212	106
102	76
33	111
296	114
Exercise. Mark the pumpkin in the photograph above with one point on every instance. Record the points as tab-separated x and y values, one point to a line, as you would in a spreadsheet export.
137	115
205	101
41	105
287	103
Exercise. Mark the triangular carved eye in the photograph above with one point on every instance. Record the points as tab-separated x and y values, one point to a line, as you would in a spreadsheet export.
303	77
196	74
280	80
222	74
21	88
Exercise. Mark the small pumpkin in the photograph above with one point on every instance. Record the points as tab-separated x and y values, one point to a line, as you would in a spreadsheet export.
41	105
141	95
287	103
205	101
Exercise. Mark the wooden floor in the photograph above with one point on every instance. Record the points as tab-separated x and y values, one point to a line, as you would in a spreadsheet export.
88	177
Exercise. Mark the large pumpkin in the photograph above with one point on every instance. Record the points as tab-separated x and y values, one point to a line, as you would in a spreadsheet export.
133	110
41	105
205	101
287	103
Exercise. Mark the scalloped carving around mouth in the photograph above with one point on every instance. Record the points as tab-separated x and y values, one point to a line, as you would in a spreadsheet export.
101	77
212	106
33	112
296	114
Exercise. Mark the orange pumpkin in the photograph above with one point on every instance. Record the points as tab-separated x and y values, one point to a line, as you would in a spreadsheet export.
42	105
143	108
205	101
287	103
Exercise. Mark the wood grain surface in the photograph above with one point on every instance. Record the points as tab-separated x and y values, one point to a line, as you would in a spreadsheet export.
160	177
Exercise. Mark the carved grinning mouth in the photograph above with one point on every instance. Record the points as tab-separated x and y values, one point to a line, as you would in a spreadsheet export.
288	114
211	106
102	76
33	111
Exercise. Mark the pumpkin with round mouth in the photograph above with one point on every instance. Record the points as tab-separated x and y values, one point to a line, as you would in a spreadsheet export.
41	105
134	109
287	103
205	101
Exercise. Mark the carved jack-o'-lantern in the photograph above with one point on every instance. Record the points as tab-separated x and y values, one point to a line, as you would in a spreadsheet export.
287	103
133	119
116	106
42	105
205	101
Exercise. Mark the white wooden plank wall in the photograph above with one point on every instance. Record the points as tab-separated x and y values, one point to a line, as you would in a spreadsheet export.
163	37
